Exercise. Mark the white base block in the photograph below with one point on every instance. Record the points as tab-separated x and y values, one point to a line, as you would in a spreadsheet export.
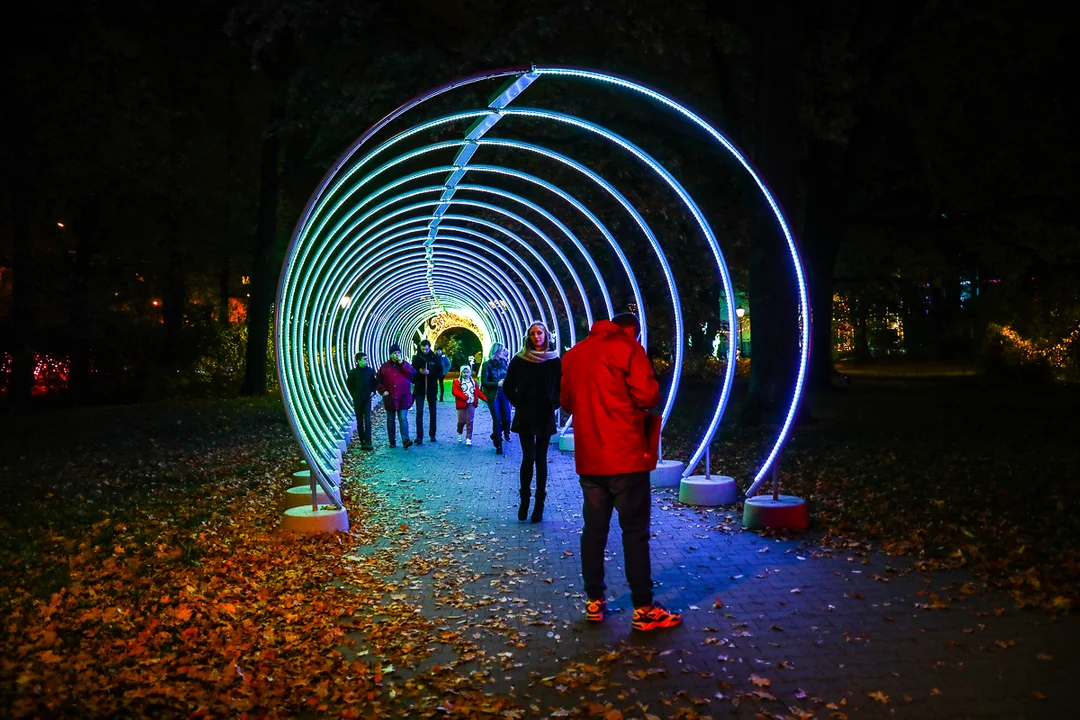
342	445
303	520
566	442
787	513
301	478
667	473
297	496
712	491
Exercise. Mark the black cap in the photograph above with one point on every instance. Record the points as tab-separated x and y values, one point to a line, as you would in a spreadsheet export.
395	348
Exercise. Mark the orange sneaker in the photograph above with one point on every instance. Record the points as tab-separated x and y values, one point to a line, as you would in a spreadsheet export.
595	609
654	617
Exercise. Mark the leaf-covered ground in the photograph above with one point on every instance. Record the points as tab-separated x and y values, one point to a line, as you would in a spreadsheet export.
954	470
142	572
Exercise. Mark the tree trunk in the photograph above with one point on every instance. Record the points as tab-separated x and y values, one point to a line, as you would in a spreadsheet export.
262	275
773	297
823	230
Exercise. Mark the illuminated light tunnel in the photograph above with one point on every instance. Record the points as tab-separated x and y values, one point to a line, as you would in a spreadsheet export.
385	247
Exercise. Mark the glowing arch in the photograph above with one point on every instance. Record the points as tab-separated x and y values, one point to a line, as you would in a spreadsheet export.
460	318
403	254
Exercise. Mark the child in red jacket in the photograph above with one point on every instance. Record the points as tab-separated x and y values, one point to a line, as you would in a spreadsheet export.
467	395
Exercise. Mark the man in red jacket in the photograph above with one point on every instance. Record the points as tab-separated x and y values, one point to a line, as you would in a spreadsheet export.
608	385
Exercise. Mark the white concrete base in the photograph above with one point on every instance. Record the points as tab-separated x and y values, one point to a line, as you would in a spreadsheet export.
301	478
668	473
297	496
712	491
302	520
566	442
342	444
786	513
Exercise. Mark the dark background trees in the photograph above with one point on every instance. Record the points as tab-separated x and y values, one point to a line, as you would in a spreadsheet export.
157	158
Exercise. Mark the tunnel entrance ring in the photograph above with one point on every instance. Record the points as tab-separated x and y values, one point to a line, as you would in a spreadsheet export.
404	254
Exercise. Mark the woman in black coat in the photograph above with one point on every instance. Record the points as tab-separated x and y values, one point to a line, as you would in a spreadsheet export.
532	387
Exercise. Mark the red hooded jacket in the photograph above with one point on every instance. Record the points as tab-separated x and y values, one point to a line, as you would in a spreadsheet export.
608	384
461	400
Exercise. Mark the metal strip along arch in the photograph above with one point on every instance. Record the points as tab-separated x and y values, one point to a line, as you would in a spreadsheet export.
315	331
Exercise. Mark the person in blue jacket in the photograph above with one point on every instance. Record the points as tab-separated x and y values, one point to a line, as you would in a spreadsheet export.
492	375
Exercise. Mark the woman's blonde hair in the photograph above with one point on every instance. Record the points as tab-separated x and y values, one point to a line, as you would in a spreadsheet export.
496	348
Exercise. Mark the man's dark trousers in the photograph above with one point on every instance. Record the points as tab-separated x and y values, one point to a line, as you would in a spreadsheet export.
418	399
629	494
363	421
442	388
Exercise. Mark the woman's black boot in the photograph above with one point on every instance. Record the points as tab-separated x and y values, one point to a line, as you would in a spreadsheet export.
523	509
538	509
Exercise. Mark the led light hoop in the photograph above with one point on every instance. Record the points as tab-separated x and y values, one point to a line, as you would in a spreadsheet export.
421	206
402	259
325	301
353	331
393	334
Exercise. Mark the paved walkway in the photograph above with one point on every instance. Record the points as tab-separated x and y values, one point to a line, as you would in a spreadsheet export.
801	631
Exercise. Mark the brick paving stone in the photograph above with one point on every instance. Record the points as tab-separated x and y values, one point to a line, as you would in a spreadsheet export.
832	625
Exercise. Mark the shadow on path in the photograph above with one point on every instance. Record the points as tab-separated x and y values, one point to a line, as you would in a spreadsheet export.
801	631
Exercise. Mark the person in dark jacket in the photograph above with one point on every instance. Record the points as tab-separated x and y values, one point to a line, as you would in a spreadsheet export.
532	387
491	381
361	385
393	383
426	383
609	386
444	363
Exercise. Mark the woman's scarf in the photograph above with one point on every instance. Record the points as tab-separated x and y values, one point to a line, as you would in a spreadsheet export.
537	356
468	385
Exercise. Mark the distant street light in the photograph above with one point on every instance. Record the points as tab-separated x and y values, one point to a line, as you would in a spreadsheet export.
345	302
